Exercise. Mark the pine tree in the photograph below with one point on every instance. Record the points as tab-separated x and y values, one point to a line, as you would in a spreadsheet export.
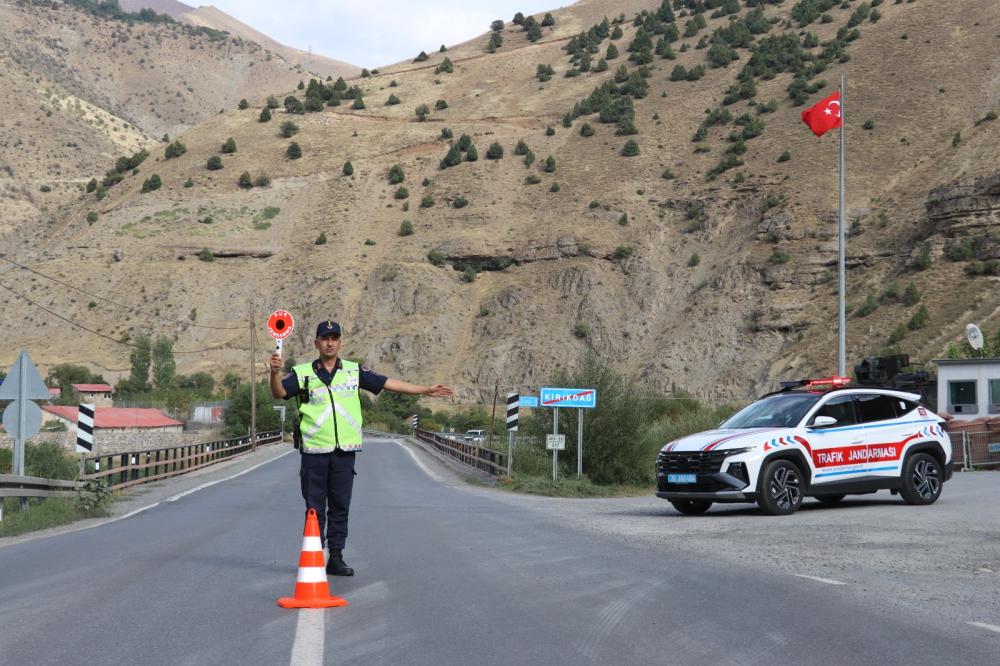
265	115
294	152
494	152
422	56
472	154
229	146
246	182
550	164
359	104
348	169
243	104
422	112
521	148
289	129
630	149
214	163
396	175
393	100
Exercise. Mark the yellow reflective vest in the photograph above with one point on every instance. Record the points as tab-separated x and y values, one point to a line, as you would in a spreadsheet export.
329	416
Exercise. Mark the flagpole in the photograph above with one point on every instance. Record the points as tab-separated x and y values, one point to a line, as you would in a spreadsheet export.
841	302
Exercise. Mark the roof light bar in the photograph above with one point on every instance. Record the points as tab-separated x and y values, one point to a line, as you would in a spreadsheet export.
829	381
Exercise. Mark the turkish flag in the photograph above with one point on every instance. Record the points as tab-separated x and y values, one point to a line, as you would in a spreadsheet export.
824	116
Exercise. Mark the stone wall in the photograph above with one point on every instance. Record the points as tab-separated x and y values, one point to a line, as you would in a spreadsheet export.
119	441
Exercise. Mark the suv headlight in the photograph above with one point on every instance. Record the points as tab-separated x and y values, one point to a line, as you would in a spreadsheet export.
736	452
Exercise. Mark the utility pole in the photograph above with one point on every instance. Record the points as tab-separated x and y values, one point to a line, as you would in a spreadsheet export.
493	419
253	381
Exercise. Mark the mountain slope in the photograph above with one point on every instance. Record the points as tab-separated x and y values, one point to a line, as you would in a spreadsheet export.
716	286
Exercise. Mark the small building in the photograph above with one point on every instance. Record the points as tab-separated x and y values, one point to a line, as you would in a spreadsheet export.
115	419
96	394
969	388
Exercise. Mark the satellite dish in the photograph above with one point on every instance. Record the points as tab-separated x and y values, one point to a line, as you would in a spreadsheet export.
974	336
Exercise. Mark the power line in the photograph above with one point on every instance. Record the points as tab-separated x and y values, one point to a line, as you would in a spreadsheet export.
108	300
98	333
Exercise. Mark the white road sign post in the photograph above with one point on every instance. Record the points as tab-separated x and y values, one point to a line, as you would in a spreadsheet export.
512	417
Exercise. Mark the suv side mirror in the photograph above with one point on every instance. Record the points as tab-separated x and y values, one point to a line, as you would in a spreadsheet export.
823	422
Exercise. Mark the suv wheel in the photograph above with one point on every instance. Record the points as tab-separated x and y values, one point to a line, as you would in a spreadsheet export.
692	507
921	479
781	486
831	499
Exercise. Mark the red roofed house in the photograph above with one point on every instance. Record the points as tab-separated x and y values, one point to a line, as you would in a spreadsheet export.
116	419
97	394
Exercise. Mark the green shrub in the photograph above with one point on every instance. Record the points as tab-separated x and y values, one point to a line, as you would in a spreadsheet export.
668	174
272	102
229	146
359	104
581	330
521	148
778	257
396	175
246	181
92	185
694	260
189	183
401	193
868	124
869	306
471	155
923	259
554	188
785	156
152	183
586	130
898	334
436	257
550	131
348	169
623	220
446	67
440	105
289	129
92	217
263	180
623	252
427	201
630	149
265	115
206	255
392	101
460	202
594	204
495	151
406	228
293	152
422	111
175	149
321	239
446	133
550	164
532	179
919	319
422	56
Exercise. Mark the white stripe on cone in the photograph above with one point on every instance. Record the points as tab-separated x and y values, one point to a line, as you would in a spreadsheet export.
311	575
312	544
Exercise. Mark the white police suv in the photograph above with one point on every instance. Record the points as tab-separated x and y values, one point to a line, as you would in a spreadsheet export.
814	438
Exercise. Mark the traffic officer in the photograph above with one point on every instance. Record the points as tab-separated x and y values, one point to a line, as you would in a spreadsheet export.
329	402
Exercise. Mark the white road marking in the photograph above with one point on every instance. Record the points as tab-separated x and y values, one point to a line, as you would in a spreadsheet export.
310	633
983	625
228	478
828	581
420	463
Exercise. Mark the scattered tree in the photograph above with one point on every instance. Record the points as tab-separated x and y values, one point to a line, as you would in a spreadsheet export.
229	146
289	129
214	163
396	175
293	152
265	115
348	169
422	112
550	164
406	228
392	101
422	56
246	181
495	151
445	67
243	104
440	105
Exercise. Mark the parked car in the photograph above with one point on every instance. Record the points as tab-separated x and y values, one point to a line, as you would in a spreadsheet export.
814	438
475	436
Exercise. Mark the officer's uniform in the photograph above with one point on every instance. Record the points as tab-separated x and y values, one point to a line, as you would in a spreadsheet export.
330	424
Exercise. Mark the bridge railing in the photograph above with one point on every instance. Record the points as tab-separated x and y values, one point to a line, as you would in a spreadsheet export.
492	462
121	470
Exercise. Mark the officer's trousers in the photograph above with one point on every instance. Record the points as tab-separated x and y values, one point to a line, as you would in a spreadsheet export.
327	480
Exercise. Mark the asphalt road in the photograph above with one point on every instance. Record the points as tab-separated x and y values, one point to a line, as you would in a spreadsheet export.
452	574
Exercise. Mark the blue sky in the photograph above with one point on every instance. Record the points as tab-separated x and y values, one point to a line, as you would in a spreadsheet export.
376	32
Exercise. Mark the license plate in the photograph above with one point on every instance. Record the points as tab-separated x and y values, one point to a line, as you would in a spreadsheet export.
682	478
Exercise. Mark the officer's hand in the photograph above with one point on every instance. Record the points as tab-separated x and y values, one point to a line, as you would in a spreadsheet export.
275	363
439	391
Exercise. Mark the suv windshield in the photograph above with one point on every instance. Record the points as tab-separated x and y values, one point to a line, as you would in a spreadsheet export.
783	410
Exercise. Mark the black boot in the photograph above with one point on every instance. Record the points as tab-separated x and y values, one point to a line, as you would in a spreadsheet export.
335	566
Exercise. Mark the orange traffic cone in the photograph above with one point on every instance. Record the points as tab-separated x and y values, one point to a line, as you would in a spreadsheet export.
311	590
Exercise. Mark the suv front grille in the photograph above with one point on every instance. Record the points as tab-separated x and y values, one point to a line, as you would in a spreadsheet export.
705	464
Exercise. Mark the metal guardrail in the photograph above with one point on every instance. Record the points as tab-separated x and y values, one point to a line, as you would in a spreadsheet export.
33	486
137	467
492	462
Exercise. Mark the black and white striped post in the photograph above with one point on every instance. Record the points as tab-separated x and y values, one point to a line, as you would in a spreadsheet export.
416	420
513	404
85	429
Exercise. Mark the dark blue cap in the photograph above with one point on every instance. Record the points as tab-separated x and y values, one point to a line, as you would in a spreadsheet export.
328	328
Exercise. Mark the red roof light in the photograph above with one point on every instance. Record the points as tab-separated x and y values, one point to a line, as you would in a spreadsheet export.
829	381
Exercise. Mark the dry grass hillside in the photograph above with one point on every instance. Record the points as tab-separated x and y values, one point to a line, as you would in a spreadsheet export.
212	17
79	91
713	285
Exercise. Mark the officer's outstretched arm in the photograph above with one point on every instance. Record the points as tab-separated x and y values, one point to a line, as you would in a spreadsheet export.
399	386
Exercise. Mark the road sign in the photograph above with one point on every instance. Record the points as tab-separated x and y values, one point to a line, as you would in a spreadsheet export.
279	327
85	429
555	442
416	421
22	425
528	401
512	407
34	387
568	397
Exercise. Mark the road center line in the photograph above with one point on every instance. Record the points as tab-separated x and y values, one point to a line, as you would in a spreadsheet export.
828	581
310	633
983	625
228	478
